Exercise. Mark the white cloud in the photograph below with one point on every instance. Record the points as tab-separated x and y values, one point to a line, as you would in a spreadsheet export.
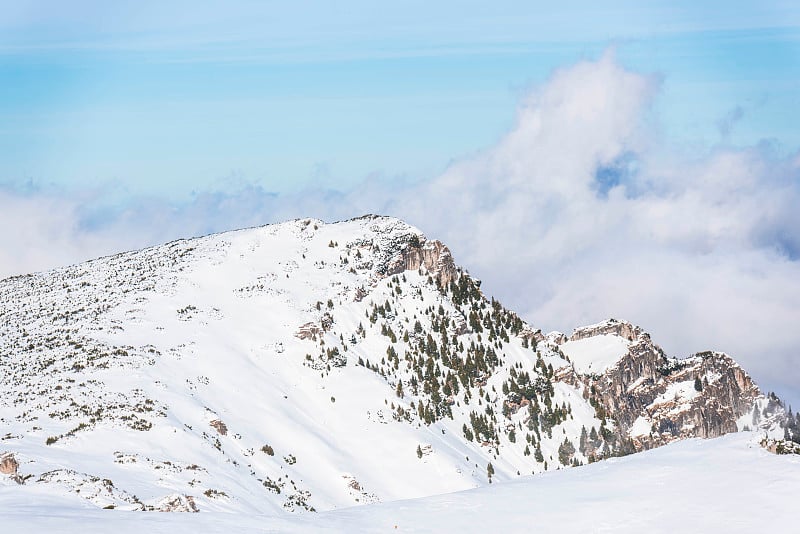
578	214
702	253
42	231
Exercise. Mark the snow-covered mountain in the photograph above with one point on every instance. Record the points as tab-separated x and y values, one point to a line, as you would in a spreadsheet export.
306	366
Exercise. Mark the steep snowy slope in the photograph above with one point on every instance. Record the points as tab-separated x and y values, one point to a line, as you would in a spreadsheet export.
277	367
311	366
727	484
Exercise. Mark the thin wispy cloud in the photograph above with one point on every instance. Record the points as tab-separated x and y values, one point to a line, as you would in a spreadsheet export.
236	31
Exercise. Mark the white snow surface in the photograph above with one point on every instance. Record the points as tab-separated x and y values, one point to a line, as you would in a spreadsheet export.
728	484
680	392
640	427
117	369
595	354
118	373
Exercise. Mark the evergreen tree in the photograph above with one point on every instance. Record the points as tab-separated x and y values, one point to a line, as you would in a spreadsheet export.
584	440
594	438
467	433
565	451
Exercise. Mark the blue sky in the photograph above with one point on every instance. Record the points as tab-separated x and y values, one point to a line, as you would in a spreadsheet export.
152	99
638	161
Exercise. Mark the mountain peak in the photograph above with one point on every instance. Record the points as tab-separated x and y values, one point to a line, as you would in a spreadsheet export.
280	366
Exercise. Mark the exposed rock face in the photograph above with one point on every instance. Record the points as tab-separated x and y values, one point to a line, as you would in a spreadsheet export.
623	329
433	256
9	465
308	331
219	426
654	399
177	503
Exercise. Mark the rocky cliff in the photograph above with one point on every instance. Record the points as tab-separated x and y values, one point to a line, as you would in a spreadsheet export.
431	256
654	399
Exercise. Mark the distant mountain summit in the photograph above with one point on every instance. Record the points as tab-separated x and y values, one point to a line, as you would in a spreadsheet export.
308	366
654	399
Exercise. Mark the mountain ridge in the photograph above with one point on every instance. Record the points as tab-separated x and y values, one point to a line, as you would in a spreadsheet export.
278	367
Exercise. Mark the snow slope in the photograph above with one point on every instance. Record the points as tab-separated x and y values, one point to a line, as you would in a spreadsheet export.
309	367
727	484
259	370
595	354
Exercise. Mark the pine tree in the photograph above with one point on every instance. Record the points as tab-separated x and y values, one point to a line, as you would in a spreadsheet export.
698	385
595	439
419	451
584	440
565	451
467	433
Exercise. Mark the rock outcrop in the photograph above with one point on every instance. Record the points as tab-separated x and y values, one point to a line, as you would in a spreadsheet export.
219	426
176	503
622	329
9	466
654	400
432	256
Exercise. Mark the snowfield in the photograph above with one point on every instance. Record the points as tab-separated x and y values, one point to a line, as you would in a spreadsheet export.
595	354
320	377
258	371
727	484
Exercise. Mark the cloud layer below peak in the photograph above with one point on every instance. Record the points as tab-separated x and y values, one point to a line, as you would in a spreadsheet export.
577	214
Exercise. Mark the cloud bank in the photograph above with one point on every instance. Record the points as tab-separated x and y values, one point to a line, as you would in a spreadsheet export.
581	212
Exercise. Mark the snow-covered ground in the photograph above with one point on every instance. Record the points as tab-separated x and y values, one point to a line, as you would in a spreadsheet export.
252	372
263	375
728	484
595	354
